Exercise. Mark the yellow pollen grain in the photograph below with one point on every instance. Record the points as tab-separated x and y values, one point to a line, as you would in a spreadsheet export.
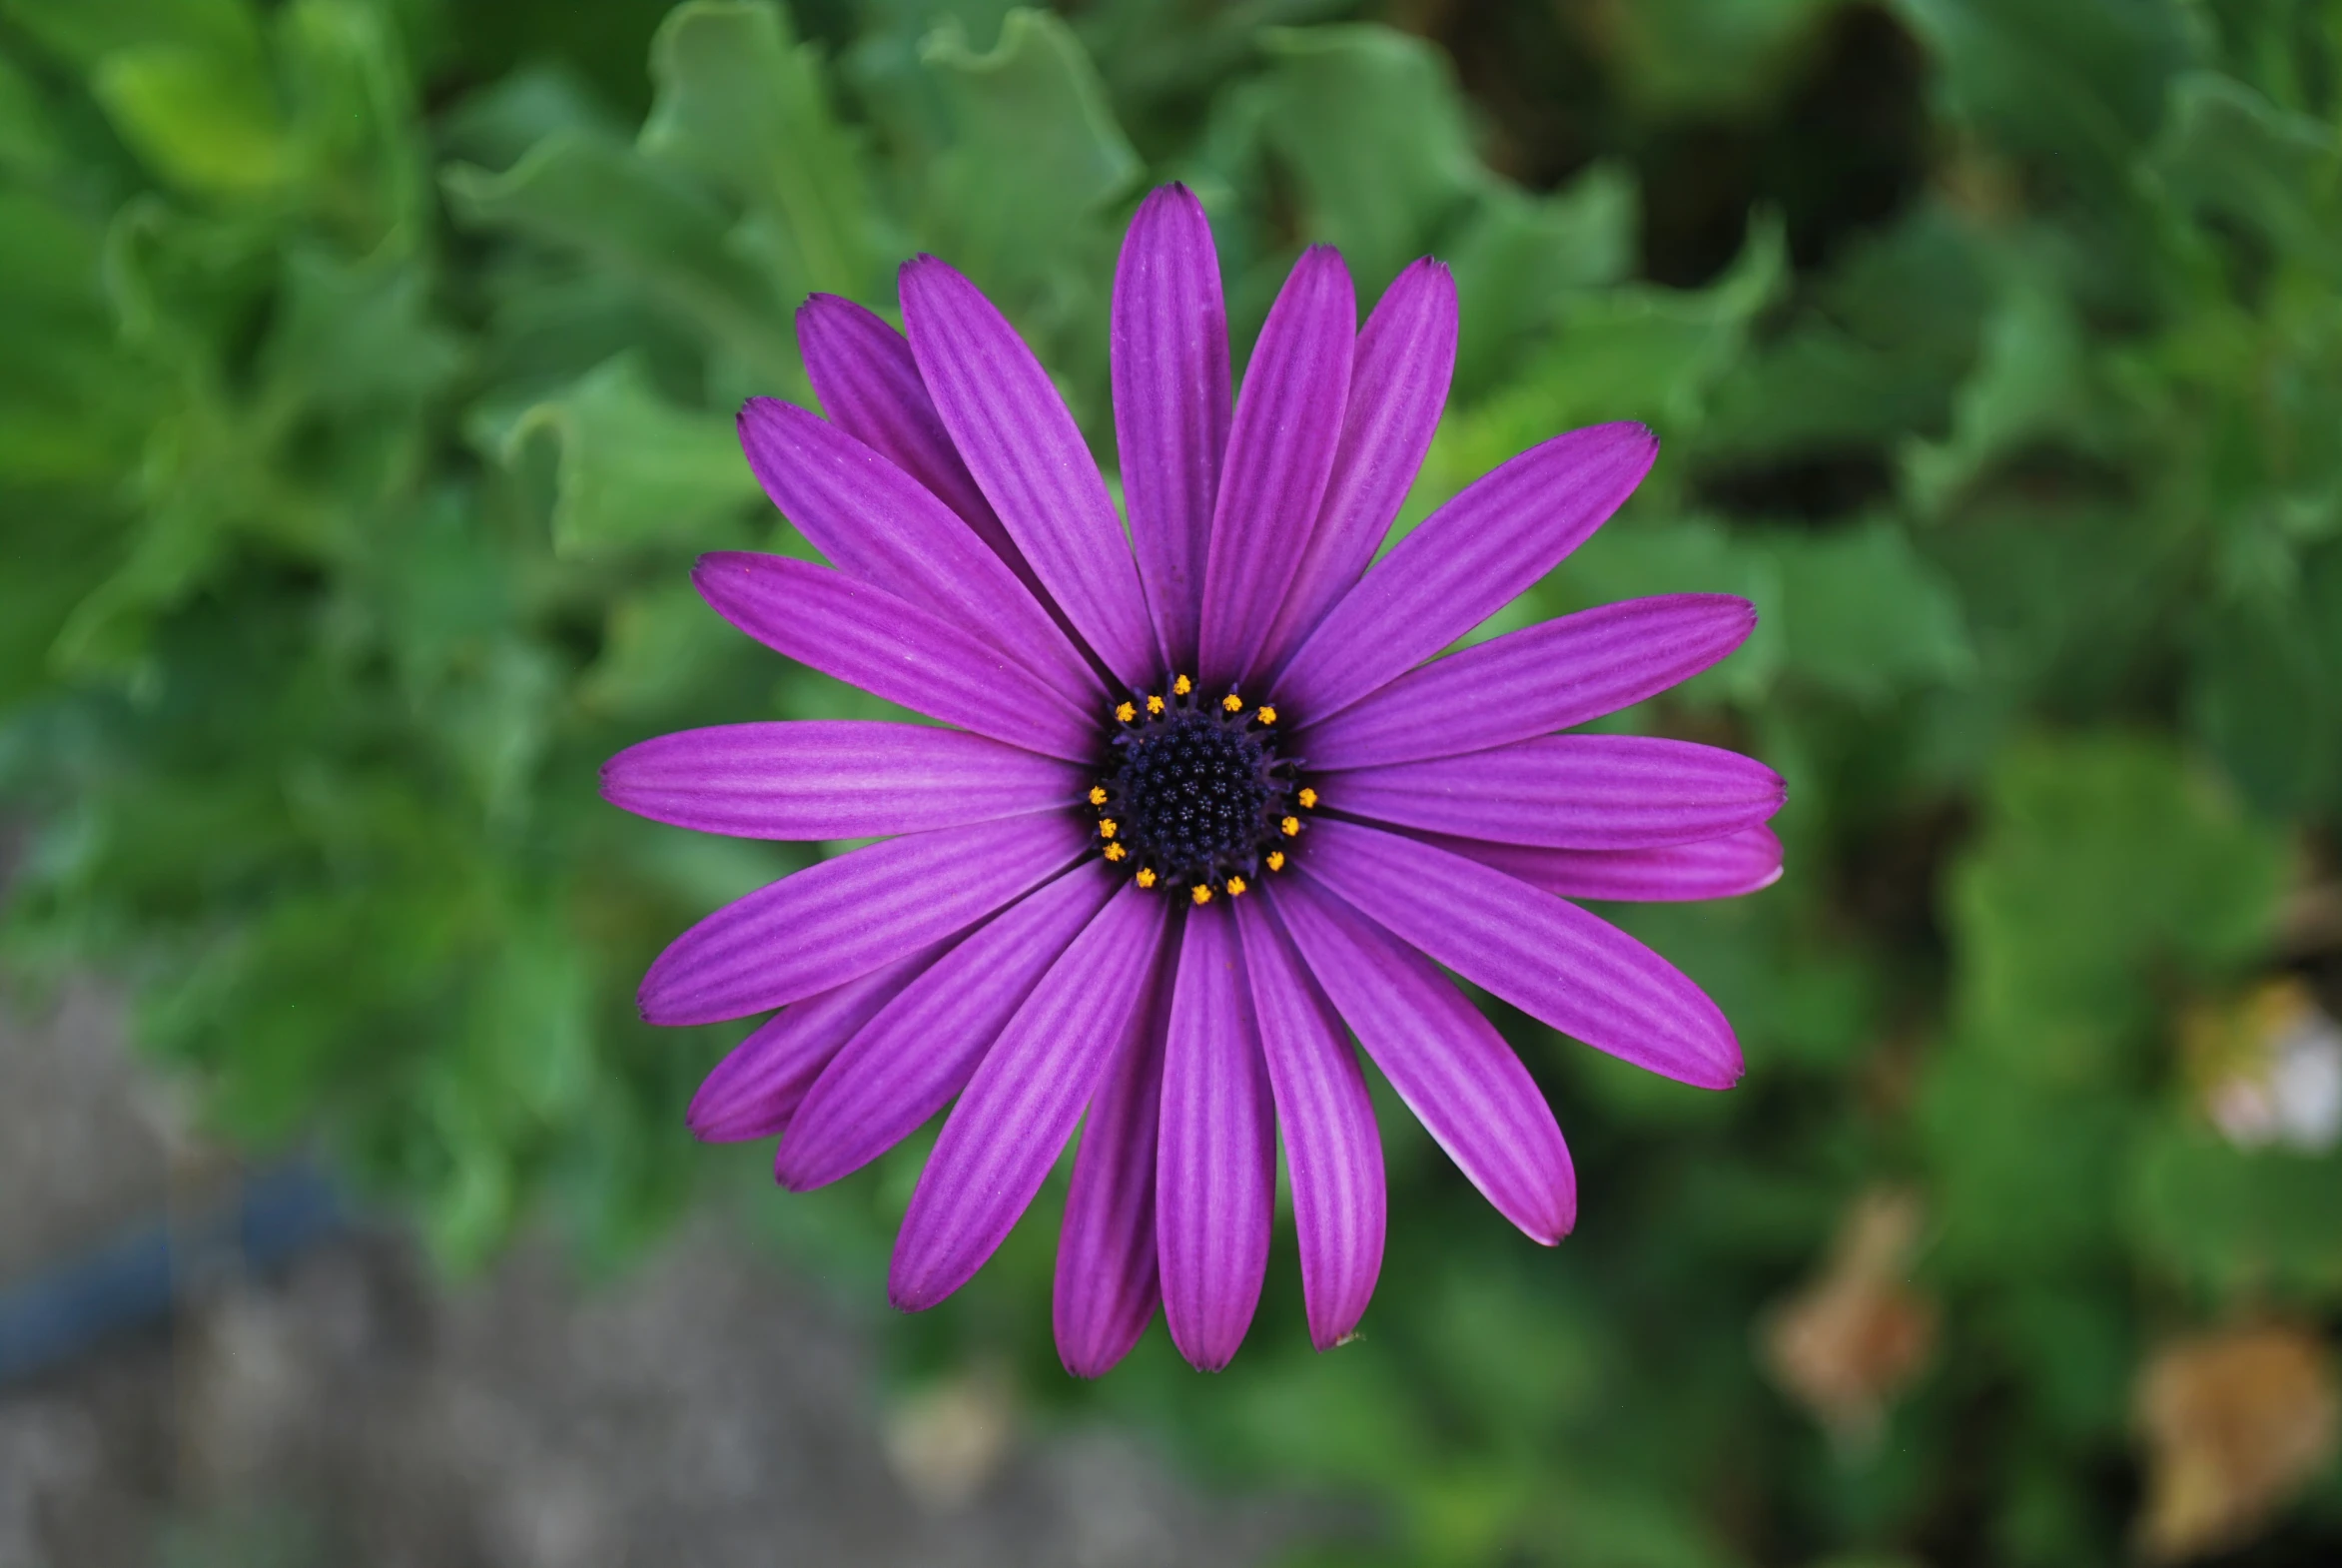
1124	713
1107	828
1155	704
1290	826
1200	894
1276	860
1182	686
1098	794
1232	703
1307	798
1267	715
1235	887
1145	878
1114	852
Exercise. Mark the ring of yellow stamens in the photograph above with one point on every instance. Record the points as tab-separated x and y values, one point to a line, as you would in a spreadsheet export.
1275	859
1290	827
1115	852
1107	828
1154	706
1308	797
1098	794
1267	715
1232	703
1145	877
1125	712
1200	893
1182	686
1235	887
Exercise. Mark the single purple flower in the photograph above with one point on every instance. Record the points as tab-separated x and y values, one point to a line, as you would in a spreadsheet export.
1211	804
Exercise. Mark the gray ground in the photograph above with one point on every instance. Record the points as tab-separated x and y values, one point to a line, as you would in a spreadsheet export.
707	1410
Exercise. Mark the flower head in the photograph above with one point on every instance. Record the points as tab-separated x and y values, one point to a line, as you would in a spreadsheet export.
1209	803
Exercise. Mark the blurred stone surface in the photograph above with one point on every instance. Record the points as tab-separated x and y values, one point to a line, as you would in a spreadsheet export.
706	1409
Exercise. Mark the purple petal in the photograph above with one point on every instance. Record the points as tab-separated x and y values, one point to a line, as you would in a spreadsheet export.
1569	792
1723	867
1279	457
1007	1131
1170	397
1331	1147
1216	1168
1399	386
845	917
1534	681
1448	1062
1468	560
879	526
868	384
910	1059
1551	959
869	638
1107	1287
1014	433
755	1090
824	779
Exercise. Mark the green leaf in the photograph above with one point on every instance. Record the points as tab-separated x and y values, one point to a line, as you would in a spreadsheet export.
2228	150
1516	257
2029	385
207	122
1371	121
742	103
2238	1223
643	220
1033	152
2262	701
634	470
1864	616
1707	58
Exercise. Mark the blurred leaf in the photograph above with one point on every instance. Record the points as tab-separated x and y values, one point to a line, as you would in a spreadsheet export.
202	121
1864	616
628	213
741	102
1706	57
1033	150
2228	150
634	470
2262	701
1372	123
2236	1222
2027	386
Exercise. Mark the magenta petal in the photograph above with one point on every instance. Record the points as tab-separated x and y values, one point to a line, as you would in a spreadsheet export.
1014	433
845	917
1216	1168
868	384
1332	1150
1399	387
1569	792
1170	398
1549	958
1007	1131
1723	867
909	1060
755	1090
1279	457
1448	1062
1534	681
891	648
1468	560
832	779
879	526
1107	1287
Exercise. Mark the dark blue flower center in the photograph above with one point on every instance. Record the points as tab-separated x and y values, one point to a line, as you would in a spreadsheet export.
1193	792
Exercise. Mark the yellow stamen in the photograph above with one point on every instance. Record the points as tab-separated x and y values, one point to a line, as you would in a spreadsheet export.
1114	852
1235	887
1106	828
1125	713
1200	894
1276	860
1155	704
1232	703
1290	826
1182	685
1145	877
1307	798
1267	715
1098	794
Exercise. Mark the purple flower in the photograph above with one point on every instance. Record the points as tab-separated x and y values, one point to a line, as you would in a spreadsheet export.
1210	804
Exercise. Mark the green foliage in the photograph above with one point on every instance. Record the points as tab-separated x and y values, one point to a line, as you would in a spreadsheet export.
368	393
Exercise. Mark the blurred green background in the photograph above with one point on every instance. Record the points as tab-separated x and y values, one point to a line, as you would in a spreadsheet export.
367	376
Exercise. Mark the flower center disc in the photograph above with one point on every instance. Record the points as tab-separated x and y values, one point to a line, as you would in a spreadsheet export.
1193	792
